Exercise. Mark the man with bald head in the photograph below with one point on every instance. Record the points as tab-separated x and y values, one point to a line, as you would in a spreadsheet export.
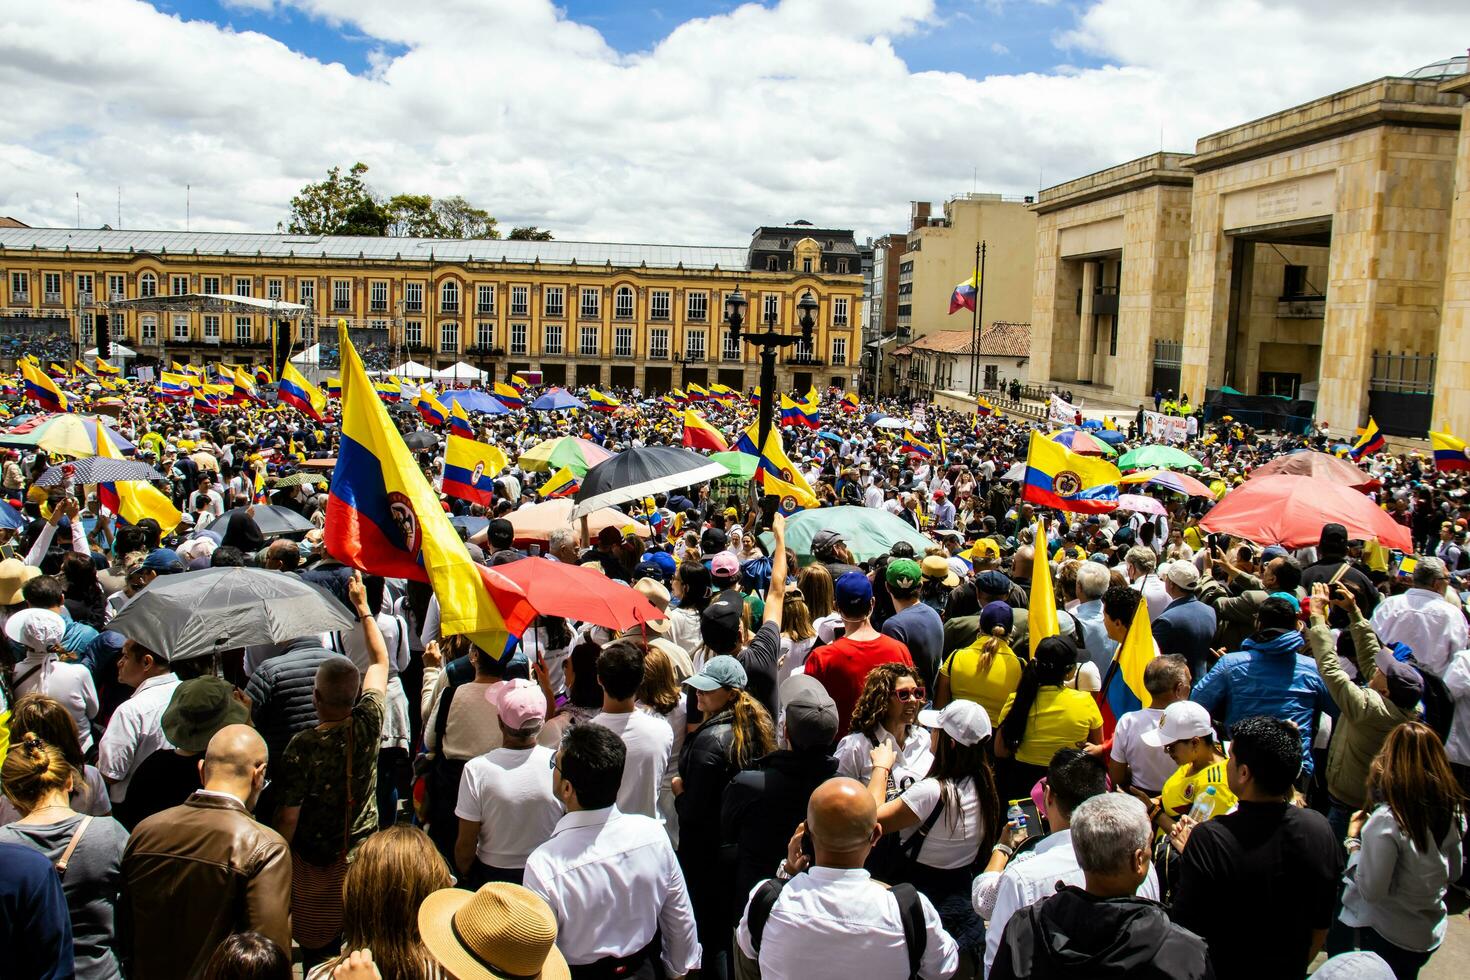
196	873
823	916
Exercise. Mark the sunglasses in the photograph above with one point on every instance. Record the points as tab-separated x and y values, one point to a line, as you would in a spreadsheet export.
910	694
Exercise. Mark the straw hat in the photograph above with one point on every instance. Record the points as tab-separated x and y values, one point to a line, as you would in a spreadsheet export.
14	574
501	931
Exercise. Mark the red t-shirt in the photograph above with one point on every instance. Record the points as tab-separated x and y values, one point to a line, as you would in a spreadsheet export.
843	666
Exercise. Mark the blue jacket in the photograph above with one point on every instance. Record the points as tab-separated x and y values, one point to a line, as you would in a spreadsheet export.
1187	627
1269	677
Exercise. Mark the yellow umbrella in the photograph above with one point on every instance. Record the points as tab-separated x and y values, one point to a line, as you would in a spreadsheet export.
65	435
579	455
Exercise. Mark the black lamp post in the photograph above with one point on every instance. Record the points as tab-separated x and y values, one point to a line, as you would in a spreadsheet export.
770	341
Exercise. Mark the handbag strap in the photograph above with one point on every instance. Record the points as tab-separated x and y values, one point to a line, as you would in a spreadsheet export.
71	846
910	848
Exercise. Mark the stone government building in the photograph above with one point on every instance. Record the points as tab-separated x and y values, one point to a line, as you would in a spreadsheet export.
582	313
1322	252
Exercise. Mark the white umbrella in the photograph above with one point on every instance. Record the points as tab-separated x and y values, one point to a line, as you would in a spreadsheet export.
892	423
1140	504
1017	472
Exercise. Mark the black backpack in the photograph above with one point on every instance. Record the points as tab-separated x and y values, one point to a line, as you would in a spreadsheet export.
1439	704
910	912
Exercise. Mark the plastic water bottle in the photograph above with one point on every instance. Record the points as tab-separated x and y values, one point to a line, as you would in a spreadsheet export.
1016	816
1204	807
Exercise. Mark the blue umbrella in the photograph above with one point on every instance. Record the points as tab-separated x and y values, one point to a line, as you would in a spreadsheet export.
474	400
1111	436
872	417
470	524
1092	424
556	400
11	518
830	436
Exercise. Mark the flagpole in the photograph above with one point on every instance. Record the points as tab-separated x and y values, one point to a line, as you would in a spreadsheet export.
975	316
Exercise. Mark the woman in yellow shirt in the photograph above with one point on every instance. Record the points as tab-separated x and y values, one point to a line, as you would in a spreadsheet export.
1041	717
1185	733
987	671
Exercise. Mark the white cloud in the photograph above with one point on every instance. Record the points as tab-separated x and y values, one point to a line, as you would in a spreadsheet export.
762	114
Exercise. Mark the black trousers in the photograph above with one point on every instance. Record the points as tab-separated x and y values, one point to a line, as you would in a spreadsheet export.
642	965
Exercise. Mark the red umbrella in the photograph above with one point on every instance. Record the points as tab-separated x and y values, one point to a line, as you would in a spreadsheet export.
1319	466
1290	511
577	592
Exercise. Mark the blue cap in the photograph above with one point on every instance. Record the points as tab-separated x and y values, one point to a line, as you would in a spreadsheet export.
852	592
1274	551
164	561
996	614
665	562
1290	599
993	582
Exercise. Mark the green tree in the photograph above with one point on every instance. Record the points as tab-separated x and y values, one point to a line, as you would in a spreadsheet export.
321	208
414	216
366	218
460	219
529	233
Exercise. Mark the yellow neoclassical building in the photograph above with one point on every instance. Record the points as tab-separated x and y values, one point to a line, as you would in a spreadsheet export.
582	313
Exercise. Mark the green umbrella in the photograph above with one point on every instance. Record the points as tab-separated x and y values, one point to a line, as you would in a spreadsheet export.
578	455
742	465
1158	458
867	531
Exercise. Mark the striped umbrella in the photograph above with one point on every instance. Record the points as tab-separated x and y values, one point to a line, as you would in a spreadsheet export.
1082	443
1169	480
578	455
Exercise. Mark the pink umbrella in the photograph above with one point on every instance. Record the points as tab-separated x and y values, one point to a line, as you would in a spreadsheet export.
1140	504
1290	511
555	588
535	522
1170	480
1319	466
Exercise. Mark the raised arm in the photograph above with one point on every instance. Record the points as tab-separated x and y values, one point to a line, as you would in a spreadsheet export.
776	593
375	678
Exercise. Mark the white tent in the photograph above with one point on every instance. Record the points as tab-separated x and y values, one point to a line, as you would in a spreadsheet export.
411	369
461	372
310	357
118	350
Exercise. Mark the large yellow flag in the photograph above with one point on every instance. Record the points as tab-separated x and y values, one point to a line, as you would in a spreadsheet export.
1136	652
131	500
1041	621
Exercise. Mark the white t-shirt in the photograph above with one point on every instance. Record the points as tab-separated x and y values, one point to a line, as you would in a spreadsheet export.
1150	766
649	742
854	758
508	792
954	839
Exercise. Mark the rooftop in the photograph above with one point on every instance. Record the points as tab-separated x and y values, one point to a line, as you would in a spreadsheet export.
391	249
1155	168
997	339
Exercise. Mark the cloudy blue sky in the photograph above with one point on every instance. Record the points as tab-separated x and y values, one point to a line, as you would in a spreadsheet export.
688	121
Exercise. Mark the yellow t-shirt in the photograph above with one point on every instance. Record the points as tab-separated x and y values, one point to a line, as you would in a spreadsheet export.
990	689
1061	718
1183	788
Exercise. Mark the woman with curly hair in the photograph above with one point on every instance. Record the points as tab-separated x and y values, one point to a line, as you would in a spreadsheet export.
1403	855
887	710
394	871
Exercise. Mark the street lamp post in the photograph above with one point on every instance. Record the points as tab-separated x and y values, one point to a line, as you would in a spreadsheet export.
770	342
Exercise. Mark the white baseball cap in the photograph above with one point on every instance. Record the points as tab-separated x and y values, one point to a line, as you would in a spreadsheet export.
38	630
964	721
1181	720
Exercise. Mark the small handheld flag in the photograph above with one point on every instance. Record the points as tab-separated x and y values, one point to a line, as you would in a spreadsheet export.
510	395
1370	442
1042	614
459	421
301	394
1449	452
470	469
563	483
430	409
912	445
599	402
699	434
41	389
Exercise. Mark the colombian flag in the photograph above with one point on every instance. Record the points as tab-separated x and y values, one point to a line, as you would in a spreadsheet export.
301	394
263	375
104	368
205	404
755	395
1122	688
699	434
83	369
333	387
389	390
430	408
773	458
1370	442
697	393
244	388
724	394
510	395
983	406
459	421
678	395
850	402
1449	452
792	497
563	483
41	389
385	519
59	370
912	445
964	294
1064	480
133	501
470	469
794	412
520	382
599	402
939	434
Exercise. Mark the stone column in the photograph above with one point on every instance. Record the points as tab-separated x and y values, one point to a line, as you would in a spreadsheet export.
1452	380
1086	335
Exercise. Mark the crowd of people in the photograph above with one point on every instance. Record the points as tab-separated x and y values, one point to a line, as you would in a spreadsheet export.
818	763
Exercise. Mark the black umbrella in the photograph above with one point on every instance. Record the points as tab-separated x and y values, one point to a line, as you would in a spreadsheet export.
421	439
99	469
273	520
199	614
642	472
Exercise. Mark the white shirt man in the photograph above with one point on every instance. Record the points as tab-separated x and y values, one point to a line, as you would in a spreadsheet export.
507	792
650	742
1423	620
1457	681
135	732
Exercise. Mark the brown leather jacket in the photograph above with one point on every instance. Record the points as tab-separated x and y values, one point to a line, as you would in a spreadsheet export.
194	874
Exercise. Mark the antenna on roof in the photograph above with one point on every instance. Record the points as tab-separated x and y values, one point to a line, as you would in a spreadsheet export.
188	188
119	207
78	195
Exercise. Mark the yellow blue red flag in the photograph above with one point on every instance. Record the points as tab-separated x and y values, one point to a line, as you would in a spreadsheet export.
41	389
1064	480
301	394
470	469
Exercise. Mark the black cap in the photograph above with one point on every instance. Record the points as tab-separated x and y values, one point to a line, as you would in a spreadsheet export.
1334	541
719	624
713	540
500	533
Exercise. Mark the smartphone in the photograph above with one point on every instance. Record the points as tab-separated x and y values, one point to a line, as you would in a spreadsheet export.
839	631
535	550
769	504
807	847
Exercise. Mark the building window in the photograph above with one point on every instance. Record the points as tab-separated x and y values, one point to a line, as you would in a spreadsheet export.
623	303
623	342
770	308
556	301
306	292
730	348
378	296
658	304
148	326
773	263
696	307
413	333
181	326
485	298
842	267
51	286
802	350
308	330
520	301
552	340
591	307
242	286
147	285
449	337
449	297
517	338
413	297
839	350
275	289
84	287
992	375
86	320
211	328
839	311
117	286
485	334
806	265
341	295
588	346
658	344
117	326
243	333
1112	336
694	345
20	287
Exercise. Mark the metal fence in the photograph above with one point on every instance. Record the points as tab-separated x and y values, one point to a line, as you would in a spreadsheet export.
1402	372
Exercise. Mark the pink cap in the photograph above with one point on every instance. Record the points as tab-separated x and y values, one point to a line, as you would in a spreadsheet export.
724	565
520	703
